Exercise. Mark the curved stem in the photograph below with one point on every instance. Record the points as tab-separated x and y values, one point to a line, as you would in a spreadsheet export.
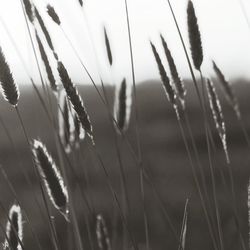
145	219
53	233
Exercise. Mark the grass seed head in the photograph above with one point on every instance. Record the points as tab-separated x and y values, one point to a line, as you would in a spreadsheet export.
52	13
108	48
75	100
169	90
194	36
46	62
81	2
9	87
217	115
228	90
102	234
14	228
45	32
51	177
122	106
29	9
179	85
65	122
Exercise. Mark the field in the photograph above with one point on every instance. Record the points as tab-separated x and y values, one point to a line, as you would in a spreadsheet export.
163	153
153	165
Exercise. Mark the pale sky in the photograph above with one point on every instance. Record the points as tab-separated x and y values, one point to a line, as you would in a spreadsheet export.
225	36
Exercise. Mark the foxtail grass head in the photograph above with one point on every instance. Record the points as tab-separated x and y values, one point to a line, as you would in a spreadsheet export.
75	100
122	106
67	124
29	9
64	123
46	63
194	36
9	88
169	90
78	131
52	178
45	32
14	228
178	83
102	234
52	13
108	48
164	78
228	90
217	115
80	2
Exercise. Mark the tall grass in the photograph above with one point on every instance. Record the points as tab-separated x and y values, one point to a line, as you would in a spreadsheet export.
76	145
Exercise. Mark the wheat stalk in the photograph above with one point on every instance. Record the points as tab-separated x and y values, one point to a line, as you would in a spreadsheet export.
48	69
75	100
51	177
194	36
14	229
102	234
52	13
9	87
122	107
179	85
217	115
108	48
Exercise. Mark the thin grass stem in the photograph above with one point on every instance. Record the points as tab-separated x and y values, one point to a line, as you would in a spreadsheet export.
53	233
218	218
139	151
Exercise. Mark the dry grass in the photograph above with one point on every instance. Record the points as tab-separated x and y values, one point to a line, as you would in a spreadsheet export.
68	121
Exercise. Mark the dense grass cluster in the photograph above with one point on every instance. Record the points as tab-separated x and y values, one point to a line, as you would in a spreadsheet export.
72	127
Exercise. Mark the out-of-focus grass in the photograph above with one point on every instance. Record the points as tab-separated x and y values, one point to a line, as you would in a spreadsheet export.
163	154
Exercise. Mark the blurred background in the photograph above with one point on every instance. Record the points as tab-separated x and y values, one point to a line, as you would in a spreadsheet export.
163	154
224	29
